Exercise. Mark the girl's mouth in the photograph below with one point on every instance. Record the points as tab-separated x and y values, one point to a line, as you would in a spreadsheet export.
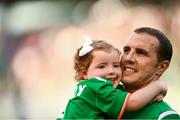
113	80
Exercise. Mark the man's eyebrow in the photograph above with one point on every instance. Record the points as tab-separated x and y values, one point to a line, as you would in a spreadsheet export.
126	47
142	51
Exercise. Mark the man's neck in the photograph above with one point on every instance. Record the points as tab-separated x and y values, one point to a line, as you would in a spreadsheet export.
131	89
136	86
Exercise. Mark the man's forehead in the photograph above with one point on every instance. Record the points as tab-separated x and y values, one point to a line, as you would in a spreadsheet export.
142	40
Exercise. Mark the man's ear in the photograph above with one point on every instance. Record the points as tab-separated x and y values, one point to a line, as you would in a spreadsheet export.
162	66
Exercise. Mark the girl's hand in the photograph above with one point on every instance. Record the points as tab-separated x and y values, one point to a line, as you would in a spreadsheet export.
163	92
159	97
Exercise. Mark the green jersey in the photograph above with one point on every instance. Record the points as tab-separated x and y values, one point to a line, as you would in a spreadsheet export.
95	98
155	110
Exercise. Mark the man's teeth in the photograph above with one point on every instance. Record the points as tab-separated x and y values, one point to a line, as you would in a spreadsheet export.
129	70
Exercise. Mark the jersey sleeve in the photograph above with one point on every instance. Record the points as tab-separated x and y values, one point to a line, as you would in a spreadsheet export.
169	115
111	101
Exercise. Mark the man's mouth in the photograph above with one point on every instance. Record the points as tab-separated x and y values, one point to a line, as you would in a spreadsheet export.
129	70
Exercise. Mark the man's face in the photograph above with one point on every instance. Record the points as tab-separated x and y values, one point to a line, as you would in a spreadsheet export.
139	60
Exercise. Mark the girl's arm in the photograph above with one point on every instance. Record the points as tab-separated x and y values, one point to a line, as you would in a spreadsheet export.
145	95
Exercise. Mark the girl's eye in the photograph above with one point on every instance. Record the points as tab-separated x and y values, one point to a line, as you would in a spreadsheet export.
116	65
101	66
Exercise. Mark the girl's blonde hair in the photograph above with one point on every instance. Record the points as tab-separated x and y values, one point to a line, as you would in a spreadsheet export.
82	63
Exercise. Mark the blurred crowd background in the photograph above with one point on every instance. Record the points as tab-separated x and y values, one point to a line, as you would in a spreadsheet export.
38	40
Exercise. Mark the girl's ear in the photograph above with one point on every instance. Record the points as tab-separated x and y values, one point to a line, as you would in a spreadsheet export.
84	74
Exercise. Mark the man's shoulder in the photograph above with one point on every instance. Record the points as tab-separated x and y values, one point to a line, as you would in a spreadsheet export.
164	110
154	110
158	106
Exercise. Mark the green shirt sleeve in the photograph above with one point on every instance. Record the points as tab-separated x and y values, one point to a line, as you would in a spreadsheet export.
110	100
94	98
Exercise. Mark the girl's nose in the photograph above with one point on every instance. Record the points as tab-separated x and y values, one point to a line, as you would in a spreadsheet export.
110	71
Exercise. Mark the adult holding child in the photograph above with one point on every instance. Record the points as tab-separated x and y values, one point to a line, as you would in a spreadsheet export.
98	72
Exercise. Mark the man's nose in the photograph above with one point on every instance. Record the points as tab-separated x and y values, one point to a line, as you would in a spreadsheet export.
130	56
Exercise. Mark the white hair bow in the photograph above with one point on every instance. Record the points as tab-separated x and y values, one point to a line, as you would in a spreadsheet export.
86	48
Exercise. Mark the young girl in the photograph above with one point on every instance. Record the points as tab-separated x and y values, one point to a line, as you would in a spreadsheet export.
97	66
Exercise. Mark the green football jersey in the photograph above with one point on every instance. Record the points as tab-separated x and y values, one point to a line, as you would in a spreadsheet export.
155	111
95	98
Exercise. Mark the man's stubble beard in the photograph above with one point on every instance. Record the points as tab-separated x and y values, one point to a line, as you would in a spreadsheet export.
131	87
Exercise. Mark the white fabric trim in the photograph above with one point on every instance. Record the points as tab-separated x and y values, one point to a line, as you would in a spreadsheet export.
101	79
61	115
166	113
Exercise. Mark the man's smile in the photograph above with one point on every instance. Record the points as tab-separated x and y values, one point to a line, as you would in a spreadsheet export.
129	70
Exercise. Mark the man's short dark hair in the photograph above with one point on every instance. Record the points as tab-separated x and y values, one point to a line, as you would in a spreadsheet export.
165	47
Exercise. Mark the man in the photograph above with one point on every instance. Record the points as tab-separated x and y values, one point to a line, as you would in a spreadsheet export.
146	55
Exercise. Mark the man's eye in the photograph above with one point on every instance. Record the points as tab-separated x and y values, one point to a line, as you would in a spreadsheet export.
126	49
142	52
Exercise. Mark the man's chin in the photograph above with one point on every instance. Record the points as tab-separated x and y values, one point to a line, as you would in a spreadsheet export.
128	82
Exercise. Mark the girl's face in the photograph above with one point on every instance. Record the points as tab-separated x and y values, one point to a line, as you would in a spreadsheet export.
105	64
